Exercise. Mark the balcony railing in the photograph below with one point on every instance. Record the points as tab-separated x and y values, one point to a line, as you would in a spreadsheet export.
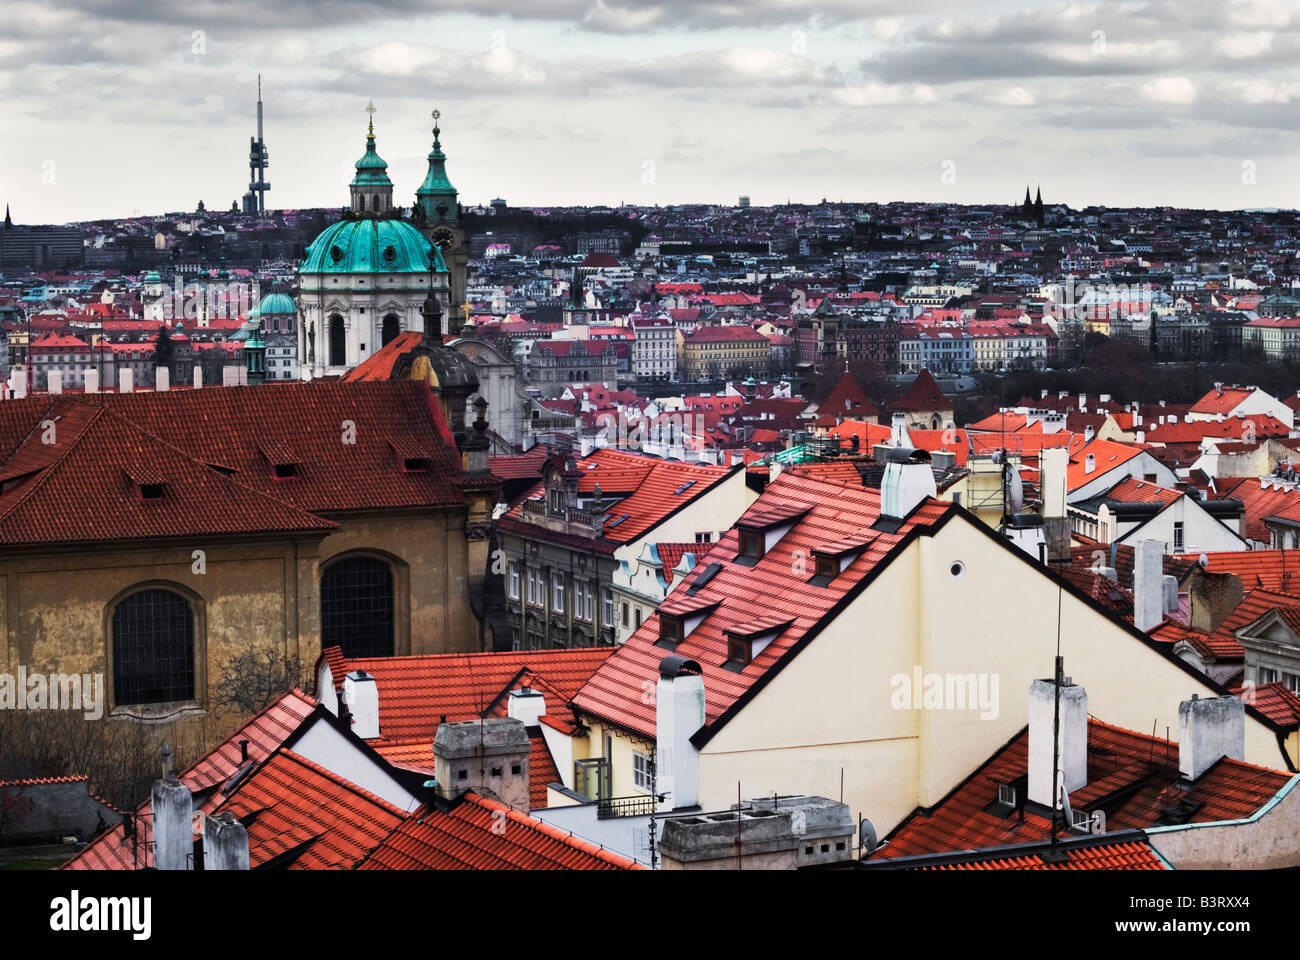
613	807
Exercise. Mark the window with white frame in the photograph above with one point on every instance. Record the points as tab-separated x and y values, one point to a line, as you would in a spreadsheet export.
642	777
557	592
607	601
583	601
1267	675
514	581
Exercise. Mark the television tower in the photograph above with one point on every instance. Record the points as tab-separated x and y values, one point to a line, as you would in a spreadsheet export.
258	160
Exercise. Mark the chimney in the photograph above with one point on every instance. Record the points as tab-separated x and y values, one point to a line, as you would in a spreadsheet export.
92	379
488	756
943	459
526	705
1218	388
1209	730
769	833
1087	432
125	383
54	381
906	482
1090	464
173	825
898	431
679	712
198	376
225	844
1083	403
362	696
161	379
1043	395
1104	398
1063	394
1148	585
1169	593
1073	760
1141	436
1056	525
18	381
1213	597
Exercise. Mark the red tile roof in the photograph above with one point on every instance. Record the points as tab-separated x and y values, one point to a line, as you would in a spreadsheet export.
481	834
1119	854
1118	760
1131	490
415	692
848	399
1222	402
1107	456
822	512
380	364
83	488
308	817
647	485
265	733
923	395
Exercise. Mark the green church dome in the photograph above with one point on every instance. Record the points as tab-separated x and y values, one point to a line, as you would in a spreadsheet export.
386	245
274	303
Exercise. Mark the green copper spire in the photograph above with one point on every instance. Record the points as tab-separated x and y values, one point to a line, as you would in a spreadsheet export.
436	196
371	169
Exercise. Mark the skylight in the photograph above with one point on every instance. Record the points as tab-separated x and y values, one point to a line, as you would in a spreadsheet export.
684	487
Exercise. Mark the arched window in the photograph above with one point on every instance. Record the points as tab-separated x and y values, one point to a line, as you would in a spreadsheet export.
356	601
390	330
935	423
362	198
338	342
153	648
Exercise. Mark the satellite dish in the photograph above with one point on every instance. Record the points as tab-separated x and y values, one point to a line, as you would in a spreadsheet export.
1014	487
867	841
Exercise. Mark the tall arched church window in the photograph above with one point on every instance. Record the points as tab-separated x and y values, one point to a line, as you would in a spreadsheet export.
338	341
153	648
356	598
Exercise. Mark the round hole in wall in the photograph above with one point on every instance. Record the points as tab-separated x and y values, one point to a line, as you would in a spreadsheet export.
956	570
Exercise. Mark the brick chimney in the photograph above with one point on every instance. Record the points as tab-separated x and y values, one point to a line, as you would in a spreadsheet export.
1213	597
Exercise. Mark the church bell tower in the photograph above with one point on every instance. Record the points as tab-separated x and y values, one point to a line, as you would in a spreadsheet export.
437	212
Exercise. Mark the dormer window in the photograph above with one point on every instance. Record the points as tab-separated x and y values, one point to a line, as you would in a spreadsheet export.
149	491
827	567
745	641
415	465
751	544
283	471
670	629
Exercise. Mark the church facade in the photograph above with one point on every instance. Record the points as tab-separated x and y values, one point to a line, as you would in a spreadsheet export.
365	279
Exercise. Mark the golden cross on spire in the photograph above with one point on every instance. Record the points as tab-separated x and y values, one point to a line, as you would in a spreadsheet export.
370	109
465	307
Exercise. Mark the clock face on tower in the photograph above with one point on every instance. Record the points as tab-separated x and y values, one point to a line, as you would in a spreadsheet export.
443	238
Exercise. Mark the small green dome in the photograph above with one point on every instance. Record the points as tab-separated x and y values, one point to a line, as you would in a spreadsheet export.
152	277
274	303
371	246
372	171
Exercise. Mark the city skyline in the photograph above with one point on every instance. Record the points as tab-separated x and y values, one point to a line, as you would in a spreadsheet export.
127	108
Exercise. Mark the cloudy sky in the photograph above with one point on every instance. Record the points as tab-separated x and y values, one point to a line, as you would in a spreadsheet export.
116	106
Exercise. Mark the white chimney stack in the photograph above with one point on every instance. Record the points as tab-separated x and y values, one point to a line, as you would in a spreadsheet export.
92	379
1208	730
1054	463
679	713
173	825
905	483
225	843
125	380
162	378
18	381
1148	585
198	376
526	705
54	381
898	431
361	694
1073	760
